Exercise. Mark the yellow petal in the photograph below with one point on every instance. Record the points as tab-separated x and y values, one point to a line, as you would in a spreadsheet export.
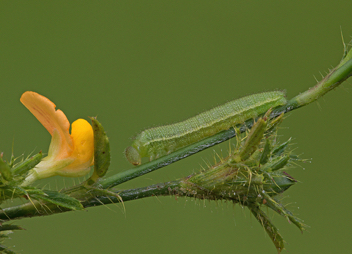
44	110
83	149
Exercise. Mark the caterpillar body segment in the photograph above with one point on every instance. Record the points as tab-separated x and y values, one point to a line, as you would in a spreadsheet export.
162	140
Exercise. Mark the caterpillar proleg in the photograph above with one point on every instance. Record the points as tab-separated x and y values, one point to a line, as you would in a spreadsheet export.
159	141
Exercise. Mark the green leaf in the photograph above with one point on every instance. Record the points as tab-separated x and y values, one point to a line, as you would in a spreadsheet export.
59	199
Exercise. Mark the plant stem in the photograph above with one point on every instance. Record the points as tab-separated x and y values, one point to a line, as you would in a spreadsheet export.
160	189
331	81
34	209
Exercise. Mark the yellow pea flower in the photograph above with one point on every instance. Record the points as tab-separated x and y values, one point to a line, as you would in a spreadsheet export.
69	154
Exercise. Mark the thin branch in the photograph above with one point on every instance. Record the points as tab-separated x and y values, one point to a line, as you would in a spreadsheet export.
91	200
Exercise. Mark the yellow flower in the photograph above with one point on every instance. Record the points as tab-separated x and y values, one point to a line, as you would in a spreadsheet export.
69	154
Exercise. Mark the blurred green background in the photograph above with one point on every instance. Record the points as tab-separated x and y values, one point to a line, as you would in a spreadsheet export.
138	64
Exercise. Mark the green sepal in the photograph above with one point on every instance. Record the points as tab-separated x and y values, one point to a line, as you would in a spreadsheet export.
5	230
280	163
5	235
269	227
280	182
273	124
295	157
5	250
26	165
12	159
5	227
281	148
276	206
275	164
5	170
28	190
101	149
266	152
59	199
253	140
13	192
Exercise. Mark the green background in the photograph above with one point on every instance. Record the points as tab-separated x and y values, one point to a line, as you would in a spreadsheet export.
138	64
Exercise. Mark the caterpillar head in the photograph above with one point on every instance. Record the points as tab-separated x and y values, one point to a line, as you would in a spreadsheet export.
133	156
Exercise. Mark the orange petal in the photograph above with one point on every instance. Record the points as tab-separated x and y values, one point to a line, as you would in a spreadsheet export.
44	110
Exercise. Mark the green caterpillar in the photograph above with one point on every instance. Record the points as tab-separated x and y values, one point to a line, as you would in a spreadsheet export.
162	140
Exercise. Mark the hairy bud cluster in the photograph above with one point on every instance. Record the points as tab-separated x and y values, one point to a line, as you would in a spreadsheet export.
253	175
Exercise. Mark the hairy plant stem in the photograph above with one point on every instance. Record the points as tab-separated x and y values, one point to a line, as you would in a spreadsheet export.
88	198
